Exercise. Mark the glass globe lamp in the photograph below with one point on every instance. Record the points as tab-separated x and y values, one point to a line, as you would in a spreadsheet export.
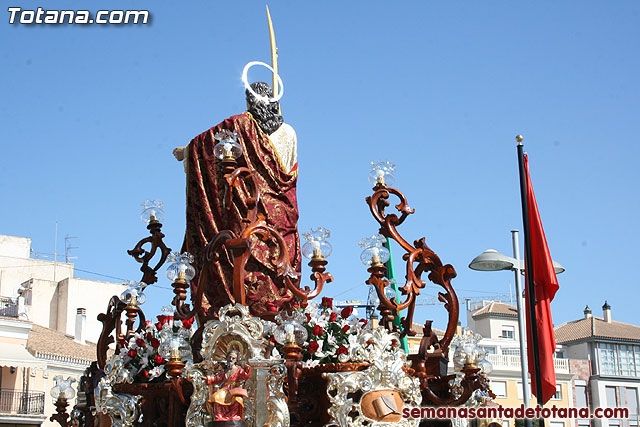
390	292
485	367
382	173
290	332
374	252
468	353
62	389
174	346
152	211
316	246
227	147
134	295
180	269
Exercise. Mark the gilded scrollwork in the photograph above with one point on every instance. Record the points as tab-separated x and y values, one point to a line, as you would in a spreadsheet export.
353	395
123	409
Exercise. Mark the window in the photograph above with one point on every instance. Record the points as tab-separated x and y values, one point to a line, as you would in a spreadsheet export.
627	364
558	395
490	350
559	354
619	359
508	332
519	390
511	351
612	402
581	396
608	359
499	388
632	403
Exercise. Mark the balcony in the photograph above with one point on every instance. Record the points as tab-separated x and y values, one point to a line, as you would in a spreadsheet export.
512	363
8	307
20	403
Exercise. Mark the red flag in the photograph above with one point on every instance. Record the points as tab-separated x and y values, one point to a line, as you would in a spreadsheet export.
546	285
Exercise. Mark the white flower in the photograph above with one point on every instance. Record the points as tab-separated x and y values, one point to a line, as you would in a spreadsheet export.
331	340
156	372
275	354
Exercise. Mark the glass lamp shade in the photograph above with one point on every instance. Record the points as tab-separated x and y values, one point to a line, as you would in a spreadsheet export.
459	358
373	297
486	367
374	251
316	245
180	267
152	211
390	293
290	332
134	294
62	388
382	173
467	349
227	146
175	346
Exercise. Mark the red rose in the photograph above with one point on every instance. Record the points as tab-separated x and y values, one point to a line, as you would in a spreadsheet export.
158	325
270	306
155	343
147	323
304	304
313	347
145	374
308	317
345	328
364	322
158	359
317	330
186	323
295	305
327	302
346	312
333	317
140	342
394	342
148	335
162	319
342	350
132	353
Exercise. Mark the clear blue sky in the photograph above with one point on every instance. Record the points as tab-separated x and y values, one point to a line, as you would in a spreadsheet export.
89	116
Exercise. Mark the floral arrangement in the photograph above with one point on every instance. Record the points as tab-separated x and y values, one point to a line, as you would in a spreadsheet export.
332	332
142	352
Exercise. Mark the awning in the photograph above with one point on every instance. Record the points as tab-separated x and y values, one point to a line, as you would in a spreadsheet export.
16	356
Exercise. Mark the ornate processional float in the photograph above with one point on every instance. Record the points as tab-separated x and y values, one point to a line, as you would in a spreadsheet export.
244	342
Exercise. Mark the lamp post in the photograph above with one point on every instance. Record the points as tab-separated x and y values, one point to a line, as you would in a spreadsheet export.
492	260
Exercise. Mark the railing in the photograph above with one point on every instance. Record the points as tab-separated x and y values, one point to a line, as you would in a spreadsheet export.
503	362
8	307
18	402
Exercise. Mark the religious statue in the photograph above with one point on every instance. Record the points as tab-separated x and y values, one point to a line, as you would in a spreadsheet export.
226	394
269	149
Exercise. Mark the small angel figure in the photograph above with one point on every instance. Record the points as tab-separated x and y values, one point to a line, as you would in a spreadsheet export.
226	401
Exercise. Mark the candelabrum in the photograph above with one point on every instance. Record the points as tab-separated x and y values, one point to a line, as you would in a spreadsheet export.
62	392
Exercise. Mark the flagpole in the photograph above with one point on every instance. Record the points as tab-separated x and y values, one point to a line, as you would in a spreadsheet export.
529	272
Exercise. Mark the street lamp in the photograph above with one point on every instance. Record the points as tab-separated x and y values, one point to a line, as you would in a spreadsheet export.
492	260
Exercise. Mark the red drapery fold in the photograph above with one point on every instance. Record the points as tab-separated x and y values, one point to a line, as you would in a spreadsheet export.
546	285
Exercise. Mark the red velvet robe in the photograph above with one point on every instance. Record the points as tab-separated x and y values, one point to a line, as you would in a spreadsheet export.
206	216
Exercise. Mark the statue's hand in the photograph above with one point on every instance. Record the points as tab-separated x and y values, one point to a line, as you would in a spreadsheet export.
178	153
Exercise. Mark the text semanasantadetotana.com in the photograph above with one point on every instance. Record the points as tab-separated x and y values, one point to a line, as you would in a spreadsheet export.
499	411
